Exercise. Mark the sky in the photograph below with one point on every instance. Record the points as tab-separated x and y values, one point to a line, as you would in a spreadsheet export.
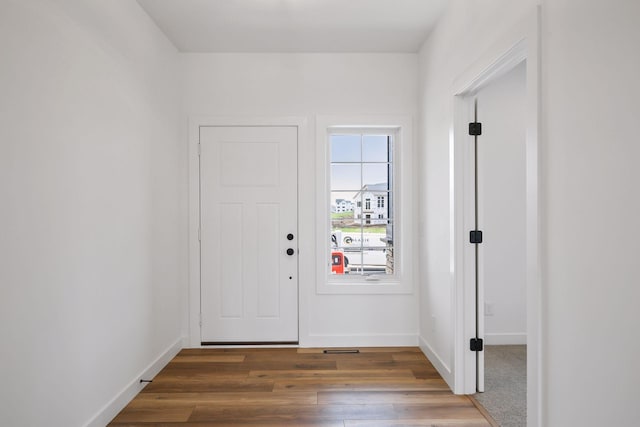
348	175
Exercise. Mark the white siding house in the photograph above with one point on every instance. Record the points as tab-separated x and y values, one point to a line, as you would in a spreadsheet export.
342	205
372	204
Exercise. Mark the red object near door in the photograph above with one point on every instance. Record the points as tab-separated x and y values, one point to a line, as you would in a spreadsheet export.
337	262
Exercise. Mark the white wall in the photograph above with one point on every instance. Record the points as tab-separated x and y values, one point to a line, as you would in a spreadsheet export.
93	247
465	32
306	85
502	206
590	167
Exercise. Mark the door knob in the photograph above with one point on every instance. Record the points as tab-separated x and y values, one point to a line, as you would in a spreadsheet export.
290	251
289	236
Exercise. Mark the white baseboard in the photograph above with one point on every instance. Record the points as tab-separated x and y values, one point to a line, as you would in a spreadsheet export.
371	340
505	339
111	409
443	369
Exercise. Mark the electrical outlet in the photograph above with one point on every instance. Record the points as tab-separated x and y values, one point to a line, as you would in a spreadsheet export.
433	323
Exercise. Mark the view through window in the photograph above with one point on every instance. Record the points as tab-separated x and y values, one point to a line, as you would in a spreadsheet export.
361	198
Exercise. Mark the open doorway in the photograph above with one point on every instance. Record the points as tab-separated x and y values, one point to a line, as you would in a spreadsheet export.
502	265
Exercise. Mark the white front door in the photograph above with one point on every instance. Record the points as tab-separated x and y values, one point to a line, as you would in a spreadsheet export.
249	234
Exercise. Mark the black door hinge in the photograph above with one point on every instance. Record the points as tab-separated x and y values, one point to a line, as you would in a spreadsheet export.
475	129
476	344
475	236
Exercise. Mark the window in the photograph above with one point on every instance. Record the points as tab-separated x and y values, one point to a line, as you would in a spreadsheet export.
346	160
361	170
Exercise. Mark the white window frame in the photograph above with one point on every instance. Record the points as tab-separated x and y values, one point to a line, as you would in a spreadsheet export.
401	281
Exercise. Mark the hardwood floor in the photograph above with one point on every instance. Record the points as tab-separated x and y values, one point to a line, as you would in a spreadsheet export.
299	387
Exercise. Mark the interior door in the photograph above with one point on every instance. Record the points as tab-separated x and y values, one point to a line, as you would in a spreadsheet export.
248	229
501	212
478	222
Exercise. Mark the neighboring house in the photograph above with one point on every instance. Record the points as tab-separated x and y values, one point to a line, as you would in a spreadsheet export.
372	204
342	205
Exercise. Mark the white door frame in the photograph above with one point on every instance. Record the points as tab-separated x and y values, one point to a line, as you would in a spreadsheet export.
305	198
521	43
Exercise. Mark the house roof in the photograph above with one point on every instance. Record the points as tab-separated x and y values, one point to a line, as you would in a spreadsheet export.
373	188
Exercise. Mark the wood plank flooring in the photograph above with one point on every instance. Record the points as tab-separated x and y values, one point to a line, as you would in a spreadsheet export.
299	387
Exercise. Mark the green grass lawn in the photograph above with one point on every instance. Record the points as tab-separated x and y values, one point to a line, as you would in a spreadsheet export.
342	215
380	229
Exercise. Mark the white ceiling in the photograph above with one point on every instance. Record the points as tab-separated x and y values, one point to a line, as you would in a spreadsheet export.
295	25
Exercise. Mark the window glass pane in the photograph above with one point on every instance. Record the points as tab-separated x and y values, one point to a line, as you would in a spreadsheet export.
346	177
366	260
343	210
346	148
361	205
375	148
354	258
375	176
339	262
346	261
343	202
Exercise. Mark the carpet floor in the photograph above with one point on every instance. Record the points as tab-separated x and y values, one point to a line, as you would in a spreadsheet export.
505	396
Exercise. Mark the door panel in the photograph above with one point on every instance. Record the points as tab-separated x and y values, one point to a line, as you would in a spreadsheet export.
248	206
268	265
479	256
230	271
501	198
